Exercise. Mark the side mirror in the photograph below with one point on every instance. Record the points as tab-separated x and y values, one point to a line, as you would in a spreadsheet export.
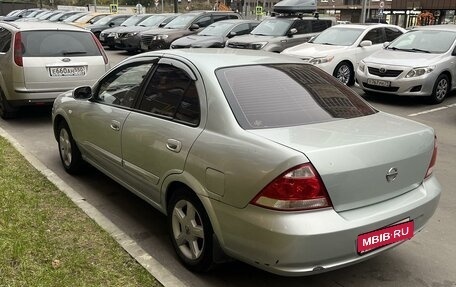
162	25
82	93
111	24
292	32
365	43
194	27
386	44
231	34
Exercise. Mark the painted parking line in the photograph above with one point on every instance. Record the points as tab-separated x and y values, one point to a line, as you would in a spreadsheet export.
433	110
165	276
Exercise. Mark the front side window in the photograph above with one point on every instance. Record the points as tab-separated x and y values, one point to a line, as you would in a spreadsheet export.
58	43
375	35
391	34
172	94
289	95
320	25
121	88
242	29
204	21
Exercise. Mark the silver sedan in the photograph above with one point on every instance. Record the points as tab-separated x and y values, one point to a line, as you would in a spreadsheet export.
421	62
254	155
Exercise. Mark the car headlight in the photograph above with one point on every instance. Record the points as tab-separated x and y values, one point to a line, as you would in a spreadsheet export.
132	34
112	34
361	66
416	72
159	37
321	60
259	45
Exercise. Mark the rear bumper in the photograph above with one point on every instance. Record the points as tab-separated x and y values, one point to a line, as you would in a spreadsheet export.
296	244
28	97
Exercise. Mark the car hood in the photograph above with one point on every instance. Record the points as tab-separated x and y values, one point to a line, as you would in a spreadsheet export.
354	156
163	31
402	58
96	26
114	29
253	38
200	41
314	50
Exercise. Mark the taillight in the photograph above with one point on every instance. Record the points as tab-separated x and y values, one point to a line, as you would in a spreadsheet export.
100	48
18	49
433	159
299	188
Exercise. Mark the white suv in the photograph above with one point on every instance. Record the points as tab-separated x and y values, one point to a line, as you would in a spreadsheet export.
38	61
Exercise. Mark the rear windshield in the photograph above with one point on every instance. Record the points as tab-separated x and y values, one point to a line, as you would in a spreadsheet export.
281	95
58	44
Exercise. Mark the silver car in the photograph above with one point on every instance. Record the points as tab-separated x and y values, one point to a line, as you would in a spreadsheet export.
259	155
39	61
421	62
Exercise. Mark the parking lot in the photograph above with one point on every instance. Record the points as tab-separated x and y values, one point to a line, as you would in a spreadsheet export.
427	260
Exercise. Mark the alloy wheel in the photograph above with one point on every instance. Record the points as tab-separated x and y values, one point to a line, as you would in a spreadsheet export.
344	74
441	89
65	147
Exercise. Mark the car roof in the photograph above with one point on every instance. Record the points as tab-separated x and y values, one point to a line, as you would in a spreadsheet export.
237	21
443	27
225	57
30	26
363	26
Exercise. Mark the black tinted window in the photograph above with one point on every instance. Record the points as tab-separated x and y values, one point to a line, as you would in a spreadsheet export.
303	26
391	34
375	35
242	29
5	40
204	21
320	25
58	44
121	87
172	93
289	95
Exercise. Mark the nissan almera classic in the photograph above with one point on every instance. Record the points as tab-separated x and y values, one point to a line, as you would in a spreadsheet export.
267	158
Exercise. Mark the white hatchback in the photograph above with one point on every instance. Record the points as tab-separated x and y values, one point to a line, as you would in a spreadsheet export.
38	61
339	49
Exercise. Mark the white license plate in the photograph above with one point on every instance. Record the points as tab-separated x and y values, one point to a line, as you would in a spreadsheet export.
68	71
380	83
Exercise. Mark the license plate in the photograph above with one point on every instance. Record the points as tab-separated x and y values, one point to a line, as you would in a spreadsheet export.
67	71
388	235
380	83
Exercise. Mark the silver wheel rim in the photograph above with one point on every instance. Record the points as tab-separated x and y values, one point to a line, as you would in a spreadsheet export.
65	147
188	230
441	90
343	74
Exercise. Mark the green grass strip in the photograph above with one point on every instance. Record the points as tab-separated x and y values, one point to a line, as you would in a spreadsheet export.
46	240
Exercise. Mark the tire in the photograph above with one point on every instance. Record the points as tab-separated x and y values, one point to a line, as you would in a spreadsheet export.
68	150
6	111
344	73
441	89
190	231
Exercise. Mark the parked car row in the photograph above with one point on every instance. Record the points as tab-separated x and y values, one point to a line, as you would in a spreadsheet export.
251	154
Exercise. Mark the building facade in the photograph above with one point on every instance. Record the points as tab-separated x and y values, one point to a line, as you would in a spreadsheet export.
404	13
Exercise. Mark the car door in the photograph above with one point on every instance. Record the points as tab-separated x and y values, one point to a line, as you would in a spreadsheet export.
157	138
97	124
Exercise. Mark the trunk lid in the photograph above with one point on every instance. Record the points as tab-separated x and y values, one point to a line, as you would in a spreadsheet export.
354	156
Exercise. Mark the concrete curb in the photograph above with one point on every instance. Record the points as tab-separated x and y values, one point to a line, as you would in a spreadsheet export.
163	275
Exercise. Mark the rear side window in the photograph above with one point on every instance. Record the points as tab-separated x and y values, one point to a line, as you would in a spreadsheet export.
320	25
5	40
287	95
58	44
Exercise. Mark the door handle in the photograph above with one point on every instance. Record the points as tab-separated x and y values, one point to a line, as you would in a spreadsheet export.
115	125
173	145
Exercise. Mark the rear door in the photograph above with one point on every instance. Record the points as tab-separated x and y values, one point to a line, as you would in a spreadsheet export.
60	59
157	138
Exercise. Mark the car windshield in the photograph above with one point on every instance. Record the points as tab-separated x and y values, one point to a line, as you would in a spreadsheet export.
272	27
74	17
45	15
85	18
216	29
132	21
105	20
180	22
338	36
152	21
283	95
58	44
56	17
424	41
